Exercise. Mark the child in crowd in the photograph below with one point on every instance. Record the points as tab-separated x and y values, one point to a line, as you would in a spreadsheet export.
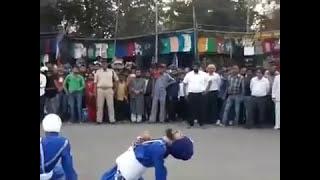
121	102
172	97
182	107
137	87
90	95
131	77
148	94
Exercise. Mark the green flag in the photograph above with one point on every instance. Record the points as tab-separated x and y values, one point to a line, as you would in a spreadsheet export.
181	42
165	46
212	45
110	50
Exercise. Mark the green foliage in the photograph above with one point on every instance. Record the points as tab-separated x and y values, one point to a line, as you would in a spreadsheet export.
96	18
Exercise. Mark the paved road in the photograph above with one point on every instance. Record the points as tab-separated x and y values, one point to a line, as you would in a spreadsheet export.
220	153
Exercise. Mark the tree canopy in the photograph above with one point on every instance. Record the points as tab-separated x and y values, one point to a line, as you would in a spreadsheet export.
97	18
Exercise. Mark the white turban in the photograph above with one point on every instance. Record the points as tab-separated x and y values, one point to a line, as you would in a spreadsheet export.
51	123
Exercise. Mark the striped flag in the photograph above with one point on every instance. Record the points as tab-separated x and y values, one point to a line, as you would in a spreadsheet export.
207	45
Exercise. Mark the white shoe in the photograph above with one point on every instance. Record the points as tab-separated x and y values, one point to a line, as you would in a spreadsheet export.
133	118
218	122
230	123
139	118
222	125
276	128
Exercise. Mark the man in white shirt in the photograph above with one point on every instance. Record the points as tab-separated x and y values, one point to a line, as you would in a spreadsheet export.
276	99
43	83
260	87
196	81
211	95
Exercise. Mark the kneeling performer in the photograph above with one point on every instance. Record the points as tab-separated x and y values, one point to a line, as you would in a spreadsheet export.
147	153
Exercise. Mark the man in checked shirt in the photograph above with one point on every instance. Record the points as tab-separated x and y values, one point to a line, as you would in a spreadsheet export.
235	90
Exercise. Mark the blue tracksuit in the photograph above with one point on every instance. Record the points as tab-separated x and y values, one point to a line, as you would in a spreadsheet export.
149	154
56	157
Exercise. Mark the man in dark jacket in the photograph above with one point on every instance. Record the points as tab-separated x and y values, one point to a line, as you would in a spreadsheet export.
147	94
172	98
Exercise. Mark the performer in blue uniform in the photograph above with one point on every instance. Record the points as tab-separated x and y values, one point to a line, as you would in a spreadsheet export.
132	164
55	156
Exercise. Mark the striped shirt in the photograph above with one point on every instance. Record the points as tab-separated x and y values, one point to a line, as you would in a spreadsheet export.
235	85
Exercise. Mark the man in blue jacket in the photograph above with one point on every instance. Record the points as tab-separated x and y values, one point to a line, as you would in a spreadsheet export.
132	164
55	152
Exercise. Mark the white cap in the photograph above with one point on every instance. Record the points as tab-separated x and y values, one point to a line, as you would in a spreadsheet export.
51	123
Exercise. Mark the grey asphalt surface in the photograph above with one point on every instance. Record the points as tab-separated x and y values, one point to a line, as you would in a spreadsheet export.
220	153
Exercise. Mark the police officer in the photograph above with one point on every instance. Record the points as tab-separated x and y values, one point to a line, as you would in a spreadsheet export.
55	152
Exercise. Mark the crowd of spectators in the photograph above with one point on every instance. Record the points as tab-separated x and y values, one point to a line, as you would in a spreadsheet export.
100	92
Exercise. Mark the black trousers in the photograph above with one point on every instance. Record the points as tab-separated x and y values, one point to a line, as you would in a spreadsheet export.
182	108
121	110
196	108
147	106
211	107
270	109
256	106
42	102
172	108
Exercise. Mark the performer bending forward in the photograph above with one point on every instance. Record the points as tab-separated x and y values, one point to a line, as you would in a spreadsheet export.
147	153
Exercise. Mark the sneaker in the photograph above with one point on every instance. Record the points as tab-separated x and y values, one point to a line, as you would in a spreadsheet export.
133	118
222	125
139	118
230	123
276	128
218	123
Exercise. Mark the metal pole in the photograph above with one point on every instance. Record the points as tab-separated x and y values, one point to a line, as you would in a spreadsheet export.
248	19
195	33
156	35
116	28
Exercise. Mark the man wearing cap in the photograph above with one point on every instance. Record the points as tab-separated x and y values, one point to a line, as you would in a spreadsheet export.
159	94
55	152
105	80
146	153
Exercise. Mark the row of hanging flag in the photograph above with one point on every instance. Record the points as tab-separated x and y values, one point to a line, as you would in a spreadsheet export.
181	43
250	46
167	45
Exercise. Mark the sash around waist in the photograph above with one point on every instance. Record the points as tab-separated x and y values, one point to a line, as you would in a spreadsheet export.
129	166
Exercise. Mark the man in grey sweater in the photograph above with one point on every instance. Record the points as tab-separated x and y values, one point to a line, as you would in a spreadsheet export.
159	94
